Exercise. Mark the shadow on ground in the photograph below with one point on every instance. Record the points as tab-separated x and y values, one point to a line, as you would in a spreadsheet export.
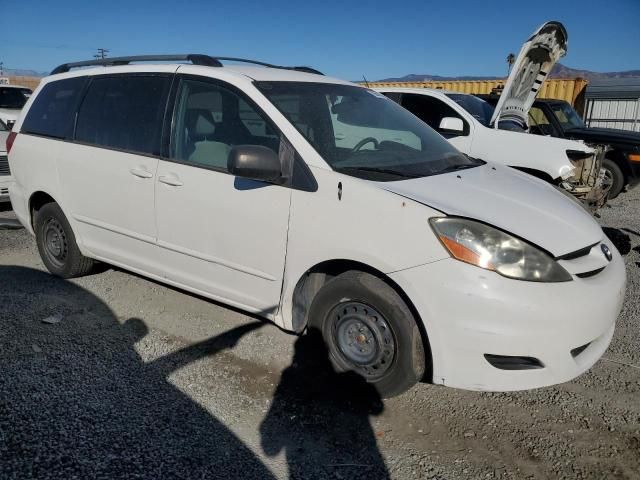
76	400
621	240
320	418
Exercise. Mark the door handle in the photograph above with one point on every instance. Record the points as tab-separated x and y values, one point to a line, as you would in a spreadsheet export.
170	180
141	173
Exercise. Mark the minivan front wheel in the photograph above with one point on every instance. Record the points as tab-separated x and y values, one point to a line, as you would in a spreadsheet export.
57	244
368	329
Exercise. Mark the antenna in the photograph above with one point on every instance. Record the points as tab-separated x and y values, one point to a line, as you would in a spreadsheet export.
366	82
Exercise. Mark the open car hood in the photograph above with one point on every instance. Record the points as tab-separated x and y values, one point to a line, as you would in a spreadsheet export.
536	59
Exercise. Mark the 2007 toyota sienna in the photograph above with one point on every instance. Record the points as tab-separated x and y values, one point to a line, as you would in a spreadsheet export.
316	203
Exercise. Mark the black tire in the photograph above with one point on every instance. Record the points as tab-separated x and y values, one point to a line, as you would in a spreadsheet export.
615	176
57	244
383	324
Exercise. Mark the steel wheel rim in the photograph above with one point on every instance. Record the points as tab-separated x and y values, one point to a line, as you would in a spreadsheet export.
363	338
55	242
607	180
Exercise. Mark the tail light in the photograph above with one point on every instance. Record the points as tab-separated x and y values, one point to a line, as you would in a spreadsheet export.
10	139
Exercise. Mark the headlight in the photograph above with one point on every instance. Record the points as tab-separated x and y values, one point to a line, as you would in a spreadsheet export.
492	249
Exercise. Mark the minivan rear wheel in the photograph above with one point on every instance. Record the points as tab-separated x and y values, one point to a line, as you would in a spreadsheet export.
369	329
57	244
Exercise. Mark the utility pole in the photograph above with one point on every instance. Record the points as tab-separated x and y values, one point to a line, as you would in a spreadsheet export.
102	53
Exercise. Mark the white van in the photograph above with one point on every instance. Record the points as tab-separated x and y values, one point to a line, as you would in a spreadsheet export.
413	260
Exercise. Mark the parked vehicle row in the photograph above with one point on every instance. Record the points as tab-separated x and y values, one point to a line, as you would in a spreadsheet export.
557	118
322	204
466	122
12	99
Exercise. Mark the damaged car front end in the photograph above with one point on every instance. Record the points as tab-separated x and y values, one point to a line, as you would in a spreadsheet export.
586	181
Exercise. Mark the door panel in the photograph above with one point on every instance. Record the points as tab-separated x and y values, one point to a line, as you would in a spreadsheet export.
222	235
109	170
111	206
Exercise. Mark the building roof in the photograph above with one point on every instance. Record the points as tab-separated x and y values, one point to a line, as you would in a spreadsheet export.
624	88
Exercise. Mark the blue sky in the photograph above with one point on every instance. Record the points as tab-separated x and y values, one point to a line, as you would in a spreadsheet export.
345	38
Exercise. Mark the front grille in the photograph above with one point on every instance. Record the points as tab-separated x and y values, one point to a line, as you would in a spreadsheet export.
590	274
4	165
4	192
577	254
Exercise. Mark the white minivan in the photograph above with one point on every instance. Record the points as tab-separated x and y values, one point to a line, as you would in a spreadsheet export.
414	260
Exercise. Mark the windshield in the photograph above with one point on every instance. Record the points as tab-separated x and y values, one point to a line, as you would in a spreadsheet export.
567	116
478	108
362	133
11	98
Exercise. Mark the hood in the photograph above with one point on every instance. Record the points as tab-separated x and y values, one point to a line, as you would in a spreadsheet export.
536	59
604	135
512	201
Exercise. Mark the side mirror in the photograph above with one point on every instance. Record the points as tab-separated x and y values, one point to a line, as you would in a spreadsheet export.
451	125
255	162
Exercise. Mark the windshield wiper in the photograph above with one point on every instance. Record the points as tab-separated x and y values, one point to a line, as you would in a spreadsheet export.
460	166
389	171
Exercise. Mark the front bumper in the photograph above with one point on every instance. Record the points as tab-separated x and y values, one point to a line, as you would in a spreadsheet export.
469	313
5	182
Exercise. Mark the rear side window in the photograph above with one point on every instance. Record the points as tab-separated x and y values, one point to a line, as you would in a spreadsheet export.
52	112
124	113
11	98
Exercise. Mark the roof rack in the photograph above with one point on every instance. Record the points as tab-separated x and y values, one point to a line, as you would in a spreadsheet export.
269	65
195	59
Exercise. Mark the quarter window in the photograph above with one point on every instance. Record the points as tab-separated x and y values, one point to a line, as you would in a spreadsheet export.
211	119
124	113
53	110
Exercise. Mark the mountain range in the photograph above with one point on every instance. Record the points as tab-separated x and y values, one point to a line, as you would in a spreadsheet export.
15	72
558	71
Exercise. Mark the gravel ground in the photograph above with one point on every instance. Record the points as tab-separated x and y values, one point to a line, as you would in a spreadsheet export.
139	380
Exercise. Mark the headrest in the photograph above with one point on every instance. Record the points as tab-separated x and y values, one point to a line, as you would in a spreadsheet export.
204	126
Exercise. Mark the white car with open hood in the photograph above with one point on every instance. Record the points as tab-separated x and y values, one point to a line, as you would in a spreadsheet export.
412	259
500	135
